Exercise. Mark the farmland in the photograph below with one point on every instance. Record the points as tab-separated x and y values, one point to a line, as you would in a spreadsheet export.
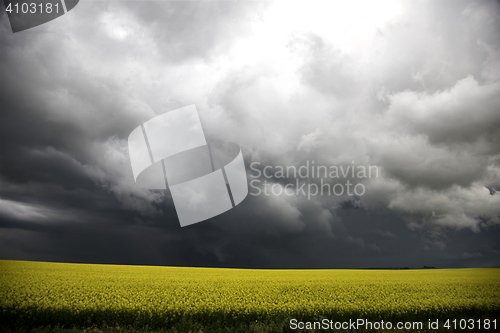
38	294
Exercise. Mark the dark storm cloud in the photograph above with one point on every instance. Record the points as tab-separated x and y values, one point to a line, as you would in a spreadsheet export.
391	86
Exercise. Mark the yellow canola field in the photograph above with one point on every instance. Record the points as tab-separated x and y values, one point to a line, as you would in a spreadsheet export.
39	293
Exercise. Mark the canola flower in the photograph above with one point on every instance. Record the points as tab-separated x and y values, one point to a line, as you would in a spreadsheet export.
37	294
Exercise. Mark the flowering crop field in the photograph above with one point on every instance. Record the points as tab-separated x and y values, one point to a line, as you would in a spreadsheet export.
36	294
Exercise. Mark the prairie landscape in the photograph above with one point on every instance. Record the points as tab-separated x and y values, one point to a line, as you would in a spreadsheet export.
180	299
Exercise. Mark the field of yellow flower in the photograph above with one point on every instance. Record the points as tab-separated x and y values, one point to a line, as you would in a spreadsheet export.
35	294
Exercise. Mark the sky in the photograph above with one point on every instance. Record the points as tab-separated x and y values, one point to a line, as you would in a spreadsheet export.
409	88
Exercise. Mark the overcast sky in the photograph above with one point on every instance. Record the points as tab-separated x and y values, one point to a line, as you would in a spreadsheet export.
412	88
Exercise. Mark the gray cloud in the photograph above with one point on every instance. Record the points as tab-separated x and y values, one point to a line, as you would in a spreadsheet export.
409	87
467	112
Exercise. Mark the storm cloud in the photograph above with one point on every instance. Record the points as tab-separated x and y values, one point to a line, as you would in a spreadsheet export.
411	88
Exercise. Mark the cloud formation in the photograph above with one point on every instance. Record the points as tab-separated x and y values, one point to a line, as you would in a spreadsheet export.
410	87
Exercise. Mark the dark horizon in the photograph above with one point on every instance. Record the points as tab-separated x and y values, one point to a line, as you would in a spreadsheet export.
255	268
